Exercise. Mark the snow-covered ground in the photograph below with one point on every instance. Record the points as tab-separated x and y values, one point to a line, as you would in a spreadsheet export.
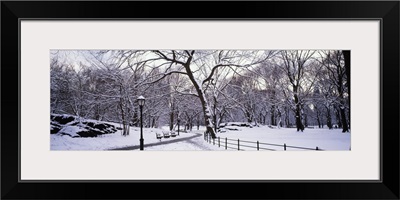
311	138
110	141
194	144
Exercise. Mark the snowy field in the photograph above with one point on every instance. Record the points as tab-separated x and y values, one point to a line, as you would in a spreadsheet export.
311	138
235	87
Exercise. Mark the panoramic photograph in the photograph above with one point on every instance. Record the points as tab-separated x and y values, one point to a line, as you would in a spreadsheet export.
193	100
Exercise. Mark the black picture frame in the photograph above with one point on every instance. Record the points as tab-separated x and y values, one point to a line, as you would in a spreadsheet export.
13	11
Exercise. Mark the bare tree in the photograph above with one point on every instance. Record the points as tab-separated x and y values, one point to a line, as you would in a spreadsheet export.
201	66
334	63
203	87
294	65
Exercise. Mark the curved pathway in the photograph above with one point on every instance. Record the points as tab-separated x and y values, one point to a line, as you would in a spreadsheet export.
188	139
198	144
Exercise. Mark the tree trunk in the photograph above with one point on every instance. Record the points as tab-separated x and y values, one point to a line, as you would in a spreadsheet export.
198	122
272	111
328	117
299	124
171	120
338	117
248	116
125	127
344	120
287	122
122	118
203	100
153	124
348	119
346	55
215	113
319	122
279	124
221	117
342	103
318	117
135	118
190	125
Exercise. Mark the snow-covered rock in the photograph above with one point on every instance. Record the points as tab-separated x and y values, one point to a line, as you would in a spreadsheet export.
78	127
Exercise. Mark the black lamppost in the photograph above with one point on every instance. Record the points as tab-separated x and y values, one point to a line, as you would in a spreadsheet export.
141	101
178	125
178	120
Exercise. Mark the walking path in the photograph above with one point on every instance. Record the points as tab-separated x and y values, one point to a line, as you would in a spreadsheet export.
198	144
186	139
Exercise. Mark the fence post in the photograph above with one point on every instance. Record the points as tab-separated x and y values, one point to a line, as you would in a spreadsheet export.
238	145
258	146
219	145
284	146
316	148
226	143
213	141
209	138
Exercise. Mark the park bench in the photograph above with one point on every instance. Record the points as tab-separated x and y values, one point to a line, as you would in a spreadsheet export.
173	134
166	134
159	136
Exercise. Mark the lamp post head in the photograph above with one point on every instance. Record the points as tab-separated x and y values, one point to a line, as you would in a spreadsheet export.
141	100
